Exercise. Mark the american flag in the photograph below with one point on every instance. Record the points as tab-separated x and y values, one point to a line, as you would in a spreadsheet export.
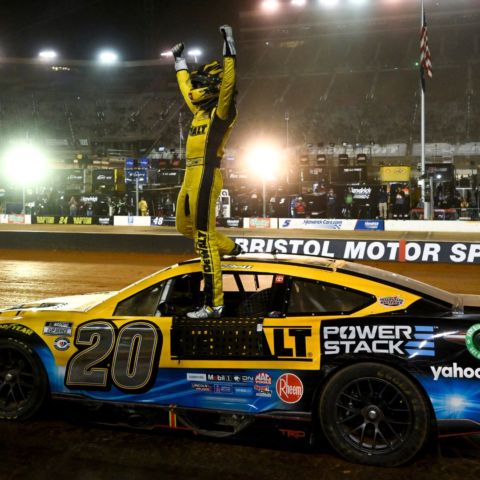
425	59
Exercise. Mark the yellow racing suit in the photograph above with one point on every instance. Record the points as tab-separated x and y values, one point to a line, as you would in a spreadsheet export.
195	217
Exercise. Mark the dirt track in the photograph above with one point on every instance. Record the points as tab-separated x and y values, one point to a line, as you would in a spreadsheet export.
55	444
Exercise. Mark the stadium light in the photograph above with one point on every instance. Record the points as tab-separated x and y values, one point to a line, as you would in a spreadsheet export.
298	3
264	160
108	57
24	164
358	3
328	3
47	55
270	6
168	53
195	53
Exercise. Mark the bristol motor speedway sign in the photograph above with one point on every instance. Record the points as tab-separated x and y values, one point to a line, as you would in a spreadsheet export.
374	250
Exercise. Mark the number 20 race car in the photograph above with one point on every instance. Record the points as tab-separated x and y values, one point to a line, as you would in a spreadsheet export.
372	360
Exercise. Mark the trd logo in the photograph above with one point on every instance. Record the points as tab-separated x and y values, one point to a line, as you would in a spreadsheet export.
289	342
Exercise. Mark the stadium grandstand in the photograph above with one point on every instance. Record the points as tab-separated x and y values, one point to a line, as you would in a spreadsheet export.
320	83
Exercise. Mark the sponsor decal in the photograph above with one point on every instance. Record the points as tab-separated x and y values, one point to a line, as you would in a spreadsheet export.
16	328
202	387
219	388
242	390
262	391
375	250
236	267
227	378
416	341
61	344
472	340
295	434
57	329
454	371
196	377
263	378
289	343
289	388
394	301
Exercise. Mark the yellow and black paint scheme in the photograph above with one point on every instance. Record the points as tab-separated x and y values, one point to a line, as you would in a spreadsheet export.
136	348
208	134
290	342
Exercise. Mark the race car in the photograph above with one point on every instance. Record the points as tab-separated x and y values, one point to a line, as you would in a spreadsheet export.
372	361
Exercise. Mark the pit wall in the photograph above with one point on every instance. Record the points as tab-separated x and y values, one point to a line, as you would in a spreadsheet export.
457	226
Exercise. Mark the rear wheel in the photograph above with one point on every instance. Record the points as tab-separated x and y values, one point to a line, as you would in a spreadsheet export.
23	382
374	414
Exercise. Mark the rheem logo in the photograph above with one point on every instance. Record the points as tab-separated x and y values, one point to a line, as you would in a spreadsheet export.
289	388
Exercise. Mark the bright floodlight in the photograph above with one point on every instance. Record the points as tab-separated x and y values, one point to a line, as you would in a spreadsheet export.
168	53
270	5
48	55
24	164
108	57
264	160
358	2
328	3
195	53
298	3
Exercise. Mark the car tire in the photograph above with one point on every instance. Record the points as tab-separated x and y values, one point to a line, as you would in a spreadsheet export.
23	381
373	414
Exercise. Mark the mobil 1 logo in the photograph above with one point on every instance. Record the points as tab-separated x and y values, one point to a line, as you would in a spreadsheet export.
396	339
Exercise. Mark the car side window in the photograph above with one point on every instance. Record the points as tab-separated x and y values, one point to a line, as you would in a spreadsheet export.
252	294
309	297
142	304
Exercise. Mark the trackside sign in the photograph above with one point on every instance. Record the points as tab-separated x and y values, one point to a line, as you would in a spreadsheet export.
384	251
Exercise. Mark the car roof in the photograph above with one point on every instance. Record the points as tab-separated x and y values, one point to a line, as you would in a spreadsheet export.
377	274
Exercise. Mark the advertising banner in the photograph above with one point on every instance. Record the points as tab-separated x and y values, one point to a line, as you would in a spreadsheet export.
131	220
370	225
384	251
395	173
230	222
163	221
103	176
170	176
316	223
258	222
131	175
65	220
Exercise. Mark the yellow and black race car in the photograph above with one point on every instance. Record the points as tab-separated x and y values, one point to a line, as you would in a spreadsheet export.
374	360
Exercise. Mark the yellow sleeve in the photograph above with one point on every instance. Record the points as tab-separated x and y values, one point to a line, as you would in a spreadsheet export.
183	79
227	88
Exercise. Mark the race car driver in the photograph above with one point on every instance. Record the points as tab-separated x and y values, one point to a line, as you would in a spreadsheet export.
209	93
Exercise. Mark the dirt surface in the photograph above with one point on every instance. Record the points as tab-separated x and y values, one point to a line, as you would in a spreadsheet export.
33	274
56	444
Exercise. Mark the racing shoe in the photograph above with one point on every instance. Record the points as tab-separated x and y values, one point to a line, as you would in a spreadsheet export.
237	250
206	312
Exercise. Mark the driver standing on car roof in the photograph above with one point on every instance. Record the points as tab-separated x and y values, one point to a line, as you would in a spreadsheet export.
209	93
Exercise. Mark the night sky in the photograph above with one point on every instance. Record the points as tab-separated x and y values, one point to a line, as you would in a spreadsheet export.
139	29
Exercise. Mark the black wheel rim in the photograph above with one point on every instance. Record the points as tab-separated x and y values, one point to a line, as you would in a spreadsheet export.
17	380
373	415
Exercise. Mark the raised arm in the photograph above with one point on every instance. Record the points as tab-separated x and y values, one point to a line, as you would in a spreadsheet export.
227	88
183	75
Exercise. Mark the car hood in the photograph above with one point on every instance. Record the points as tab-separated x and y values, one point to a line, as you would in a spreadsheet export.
71	303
